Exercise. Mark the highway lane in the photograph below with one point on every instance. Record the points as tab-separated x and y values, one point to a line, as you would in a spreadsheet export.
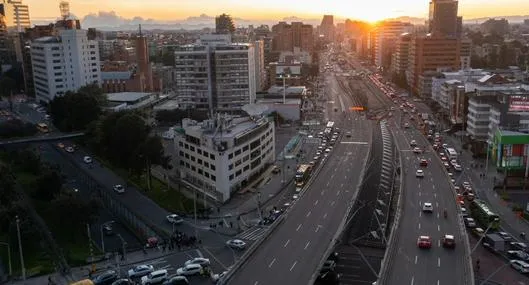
437	265
292	253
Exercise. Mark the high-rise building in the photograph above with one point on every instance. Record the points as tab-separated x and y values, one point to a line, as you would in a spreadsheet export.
386	35
431	54
215	74
260	72
144	65
224	24
64	63
327	28
400	58
443	19
290	37
16	15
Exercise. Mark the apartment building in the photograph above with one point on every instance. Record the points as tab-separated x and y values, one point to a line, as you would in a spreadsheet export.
215	74
289	37
221	156
462	76
386	35
64	63
400	58
16	15
260	71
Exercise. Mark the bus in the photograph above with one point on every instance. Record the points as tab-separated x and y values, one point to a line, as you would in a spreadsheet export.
451	153
302	175
43	128
483	215
330	125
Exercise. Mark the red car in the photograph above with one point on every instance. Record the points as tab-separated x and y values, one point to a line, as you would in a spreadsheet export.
423	162
424	242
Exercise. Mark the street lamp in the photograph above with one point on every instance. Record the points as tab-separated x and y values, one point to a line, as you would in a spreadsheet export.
484	233
102	236
20	249
8	257
284	77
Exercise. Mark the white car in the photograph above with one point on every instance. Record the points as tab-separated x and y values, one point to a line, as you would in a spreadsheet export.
87	159
69	149
174	219
119	188
520	266
140	271
417	150
413	143
427	207
154	277
458	168
419	173
191	269
198	260
216	277
236	243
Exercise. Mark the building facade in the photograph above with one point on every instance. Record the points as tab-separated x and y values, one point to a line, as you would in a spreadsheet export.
64	63
386	35
16	15
443	20
221	156
289	37
400	58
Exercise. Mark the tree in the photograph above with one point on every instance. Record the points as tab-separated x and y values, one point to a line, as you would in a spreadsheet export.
72	213
74	111
16	128
7	88
48	186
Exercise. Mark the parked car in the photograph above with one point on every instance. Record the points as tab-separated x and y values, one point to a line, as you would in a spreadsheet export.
119	188
236	243
520	266
174	219
106	278
190	269
198	260
140	271
87	159
177	280
154	277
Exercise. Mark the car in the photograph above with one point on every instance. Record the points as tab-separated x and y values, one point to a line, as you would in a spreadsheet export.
60	145
119	188
327	150
406	125
466	184
450	174
140	271
446	165
108	230
520	265
177	280
295	196
427	207
105	278
198	260
424	242
423	162
87	159
458	168
519	245
449	241
470	223
417	150
464	212
413	143
174	219
329	265
419	173
505	236
123	282
69	149
188	270
276	169
236	243
479	232
518	254
155	277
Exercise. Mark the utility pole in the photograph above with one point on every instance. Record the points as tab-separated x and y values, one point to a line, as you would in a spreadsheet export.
259	205
93	265
195	211
20	249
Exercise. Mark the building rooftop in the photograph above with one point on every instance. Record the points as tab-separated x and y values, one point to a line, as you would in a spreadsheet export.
511	133
49	39
232	127
127	96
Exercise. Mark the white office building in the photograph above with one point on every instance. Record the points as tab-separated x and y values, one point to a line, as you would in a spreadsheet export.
219	157
16	15
463	76
64	63
215	74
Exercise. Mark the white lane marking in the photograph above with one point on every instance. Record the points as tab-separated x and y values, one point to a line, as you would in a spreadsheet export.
308	214
420	214
435	195
419	194
307	245
316	202
438	215
317	228
345	177
437	282
328	184
256	282
286	243
415	259
420	203
433	186
436	204
438	262
412	280
431	179
299	227
332	203
341	185
438	243
322	193
438	228
293	265
419	226
338	193
271	263
325	215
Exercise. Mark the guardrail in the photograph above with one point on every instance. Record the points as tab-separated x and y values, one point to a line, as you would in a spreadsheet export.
391	249
340	229
40	139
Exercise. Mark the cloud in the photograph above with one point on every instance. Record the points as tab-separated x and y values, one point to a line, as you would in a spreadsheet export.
112	19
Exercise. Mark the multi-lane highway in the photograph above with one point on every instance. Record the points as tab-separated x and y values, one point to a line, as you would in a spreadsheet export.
437	265
292	253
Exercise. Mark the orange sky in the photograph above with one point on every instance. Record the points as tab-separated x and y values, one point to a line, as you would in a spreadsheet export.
370	10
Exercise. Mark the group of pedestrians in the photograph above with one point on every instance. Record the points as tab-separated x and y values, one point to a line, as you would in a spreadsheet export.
178	240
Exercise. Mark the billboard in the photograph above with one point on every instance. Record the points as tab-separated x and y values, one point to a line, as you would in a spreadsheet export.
518	103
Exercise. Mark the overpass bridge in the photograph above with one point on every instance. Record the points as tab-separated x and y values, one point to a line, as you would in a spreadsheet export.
41	138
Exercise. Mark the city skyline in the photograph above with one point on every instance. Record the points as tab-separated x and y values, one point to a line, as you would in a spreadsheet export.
371	11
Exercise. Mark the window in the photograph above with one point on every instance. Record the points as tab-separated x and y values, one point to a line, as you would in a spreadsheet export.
212	167
230	167
181	153
231	177
237	163
230	156
239	172
238	152
199	161
245	148
200	171
186	146
246	168
212	156
180	144
192	158
206	164
199	151
187	155
213	178
192	148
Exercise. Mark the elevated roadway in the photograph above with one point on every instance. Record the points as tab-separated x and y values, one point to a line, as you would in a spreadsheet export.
411	265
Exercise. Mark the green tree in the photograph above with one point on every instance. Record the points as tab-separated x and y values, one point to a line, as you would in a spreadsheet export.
74	111
48	186
72	213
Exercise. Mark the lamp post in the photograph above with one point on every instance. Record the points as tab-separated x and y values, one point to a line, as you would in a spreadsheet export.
8	257
20	249
259	205
487	159
102	236
484	233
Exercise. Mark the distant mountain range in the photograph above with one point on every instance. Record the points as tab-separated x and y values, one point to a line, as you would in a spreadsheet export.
111	21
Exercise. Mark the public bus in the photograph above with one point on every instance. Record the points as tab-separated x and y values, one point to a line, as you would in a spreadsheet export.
43	128
483	215
451	153
302	175
330	125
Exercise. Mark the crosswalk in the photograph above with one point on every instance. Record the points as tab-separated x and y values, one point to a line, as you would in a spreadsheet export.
253	233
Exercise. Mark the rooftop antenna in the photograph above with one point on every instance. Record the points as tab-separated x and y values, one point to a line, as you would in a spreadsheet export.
140	30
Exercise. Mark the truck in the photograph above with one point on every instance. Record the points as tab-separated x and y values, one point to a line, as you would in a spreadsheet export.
494	242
